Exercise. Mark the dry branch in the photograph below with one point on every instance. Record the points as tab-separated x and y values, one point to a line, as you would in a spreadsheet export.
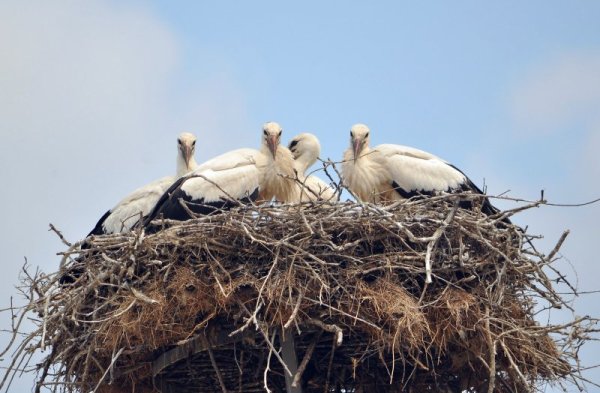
414	296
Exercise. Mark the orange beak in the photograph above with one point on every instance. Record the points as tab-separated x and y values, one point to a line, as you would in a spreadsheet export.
356	147
186	152
273	142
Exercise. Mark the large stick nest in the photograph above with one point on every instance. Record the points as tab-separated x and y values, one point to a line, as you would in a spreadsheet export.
206	305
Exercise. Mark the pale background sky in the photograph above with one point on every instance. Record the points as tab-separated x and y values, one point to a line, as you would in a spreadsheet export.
93	95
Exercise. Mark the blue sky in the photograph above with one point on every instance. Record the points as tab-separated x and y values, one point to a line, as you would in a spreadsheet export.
92	96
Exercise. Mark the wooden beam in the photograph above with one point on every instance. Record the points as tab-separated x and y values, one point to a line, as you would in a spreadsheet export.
288	354
193	346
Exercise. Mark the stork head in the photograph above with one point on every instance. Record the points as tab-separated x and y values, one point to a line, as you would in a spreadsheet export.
186	143
359	139
272	136
306	149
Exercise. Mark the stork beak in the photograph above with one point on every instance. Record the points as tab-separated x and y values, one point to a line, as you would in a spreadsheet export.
356	147
187	155
273	142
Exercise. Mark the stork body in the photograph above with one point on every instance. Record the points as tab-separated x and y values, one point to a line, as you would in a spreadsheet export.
306	148
390	172
239	176
140	202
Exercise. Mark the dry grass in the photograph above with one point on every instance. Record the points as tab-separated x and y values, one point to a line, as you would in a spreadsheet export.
322	272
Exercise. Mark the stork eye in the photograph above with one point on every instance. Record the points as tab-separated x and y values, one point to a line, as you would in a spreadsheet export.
280	133
367	135
194	143
265	132
179	141
351	135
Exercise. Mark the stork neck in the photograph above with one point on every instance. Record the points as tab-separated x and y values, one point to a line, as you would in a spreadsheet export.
264	149
364	153
305	161
182	168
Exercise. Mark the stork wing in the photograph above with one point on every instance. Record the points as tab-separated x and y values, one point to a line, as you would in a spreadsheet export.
414	171
99	228
206	190
128	211
390	149
228	184
229	160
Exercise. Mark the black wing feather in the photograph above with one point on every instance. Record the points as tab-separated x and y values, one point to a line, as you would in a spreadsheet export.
486	207
99	229
176	204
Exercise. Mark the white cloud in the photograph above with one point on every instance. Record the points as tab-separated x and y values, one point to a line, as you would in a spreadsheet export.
86	93
215	109
556	105
74	79
89	111
552	95
79	85
562	97
78	65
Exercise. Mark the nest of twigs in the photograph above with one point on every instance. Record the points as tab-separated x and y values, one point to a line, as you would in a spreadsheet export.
417	296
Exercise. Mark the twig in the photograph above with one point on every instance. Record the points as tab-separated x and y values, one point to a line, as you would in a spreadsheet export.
338	332
352	269
558	245
434	239
492	347
334	345
268	367
109	368
214	365
60	235
306	359
294	312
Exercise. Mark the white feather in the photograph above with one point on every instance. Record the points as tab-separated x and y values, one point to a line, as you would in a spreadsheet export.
125	214
214	185
135	205
238	173
229	160
306	149
374	173
415	170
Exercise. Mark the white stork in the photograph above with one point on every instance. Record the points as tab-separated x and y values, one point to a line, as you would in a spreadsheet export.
306	149
239	176
140	202
393	172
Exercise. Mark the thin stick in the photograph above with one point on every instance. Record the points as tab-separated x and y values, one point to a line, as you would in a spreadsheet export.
306	359
558	245
330	365
434	239
213	362
109	368
492	346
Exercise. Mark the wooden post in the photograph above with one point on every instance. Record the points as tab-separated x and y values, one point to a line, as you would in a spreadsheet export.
288	354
